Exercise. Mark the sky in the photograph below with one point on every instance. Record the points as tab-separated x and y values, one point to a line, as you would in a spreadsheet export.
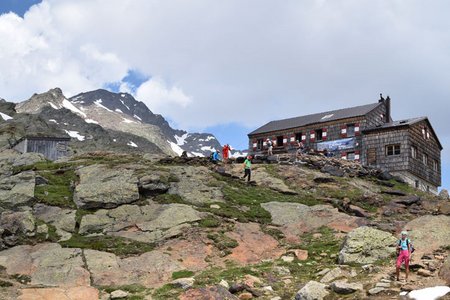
228	67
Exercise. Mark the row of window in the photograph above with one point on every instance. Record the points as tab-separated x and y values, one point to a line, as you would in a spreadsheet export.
392	150
317	135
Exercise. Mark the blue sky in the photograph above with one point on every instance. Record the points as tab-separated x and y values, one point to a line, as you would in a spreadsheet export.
245	64
17	6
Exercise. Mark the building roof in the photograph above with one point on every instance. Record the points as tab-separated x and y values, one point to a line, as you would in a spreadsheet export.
403	123
316	118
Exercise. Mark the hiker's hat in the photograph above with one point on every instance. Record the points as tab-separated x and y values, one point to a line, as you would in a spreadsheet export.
404	232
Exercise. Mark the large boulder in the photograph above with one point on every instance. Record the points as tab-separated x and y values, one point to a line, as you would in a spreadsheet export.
103	187
444	272
444	195
344	287
429	233
27	159
71	293
149	269
17	190
62	218
46	265
313	290
366	245
193	188
150	222
296	219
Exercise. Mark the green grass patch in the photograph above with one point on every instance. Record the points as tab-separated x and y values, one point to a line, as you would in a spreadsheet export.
182	274
43	165
117	245
167	291
209	222
223	242
169	199
58	191
274	232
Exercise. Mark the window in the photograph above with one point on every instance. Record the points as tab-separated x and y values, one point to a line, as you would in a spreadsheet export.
319	133
435	165
298	136
414	152
259	144
425	133
417	184
351	155
350	130
280	141
425	159
393	150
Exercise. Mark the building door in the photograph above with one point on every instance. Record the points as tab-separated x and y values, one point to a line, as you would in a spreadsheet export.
280	141
371	156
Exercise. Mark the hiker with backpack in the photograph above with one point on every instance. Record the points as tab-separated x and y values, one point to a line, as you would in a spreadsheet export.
248	168
215	157
404	250
226	152
270	148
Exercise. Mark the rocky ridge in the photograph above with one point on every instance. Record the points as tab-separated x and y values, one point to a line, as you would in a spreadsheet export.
104	225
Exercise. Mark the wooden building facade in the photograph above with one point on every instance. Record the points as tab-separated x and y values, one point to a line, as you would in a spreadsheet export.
52	148
364	133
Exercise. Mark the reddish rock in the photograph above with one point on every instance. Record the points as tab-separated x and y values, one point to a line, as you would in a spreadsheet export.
208	293
251	280
191	252
301	254
245	296
74	293
254	245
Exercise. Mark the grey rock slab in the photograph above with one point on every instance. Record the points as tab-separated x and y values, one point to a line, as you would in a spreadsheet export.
172	215
17	190
376	290
343	287
333	275
47	264
19	222
27	159
192	186
103	187
61	218
366	245
312	291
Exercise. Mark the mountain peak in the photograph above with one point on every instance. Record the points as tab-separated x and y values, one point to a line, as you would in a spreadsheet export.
53	97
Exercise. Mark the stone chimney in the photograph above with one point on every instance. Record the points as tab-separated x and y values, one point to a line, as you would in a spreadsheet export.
387	103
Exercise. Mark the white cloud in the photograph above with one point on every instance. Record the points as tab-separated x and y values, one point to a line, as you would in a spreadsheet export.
160	98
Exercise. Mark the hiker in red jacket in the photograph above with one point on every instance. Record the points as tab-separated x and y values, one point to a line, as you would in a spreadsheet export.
226	153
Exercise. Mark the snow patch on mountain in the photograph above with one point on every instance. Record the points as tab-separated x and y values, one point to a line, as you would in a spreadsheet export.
91	121
132	144
208	148
75	134
181	140
127	121
177	149
137	117
124	103
5	116
198	154
67	104
53	121
99	104
53	105
119	110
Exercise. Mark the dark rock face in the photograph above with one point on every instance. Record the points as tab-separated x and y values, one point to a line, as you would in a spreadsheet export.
333	171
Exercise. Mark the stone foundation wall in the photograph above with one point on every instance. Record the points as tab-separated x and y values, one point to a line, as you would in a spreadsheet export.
412	180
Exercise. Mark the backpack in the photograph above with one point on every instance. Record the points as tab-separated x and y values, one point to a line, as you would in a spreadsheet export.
407	244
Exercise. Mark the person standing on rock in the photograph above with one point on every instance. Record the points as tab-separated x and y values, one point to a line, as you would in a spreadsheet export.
248	168
226	153
270	148
403	254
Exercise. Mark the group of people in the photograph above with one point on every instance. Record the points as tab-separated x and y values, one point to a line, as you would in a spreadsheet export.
226	149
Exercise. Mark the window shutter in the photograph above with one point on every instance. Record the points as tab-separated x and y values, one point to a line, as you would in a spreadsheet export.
344	155
312	136
303	137
344	131
274	141
285	140
254	142
324	134
357	155
357	129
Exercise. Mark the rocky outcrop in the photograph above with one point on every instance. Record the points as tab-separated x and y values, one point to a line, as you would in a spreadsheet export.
103	187
444	272
366	245
193	188
296	219
142	223
444	195
313	290
17	190
429	233
344	288
61	218
72	293
27	159
150	269
46	265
